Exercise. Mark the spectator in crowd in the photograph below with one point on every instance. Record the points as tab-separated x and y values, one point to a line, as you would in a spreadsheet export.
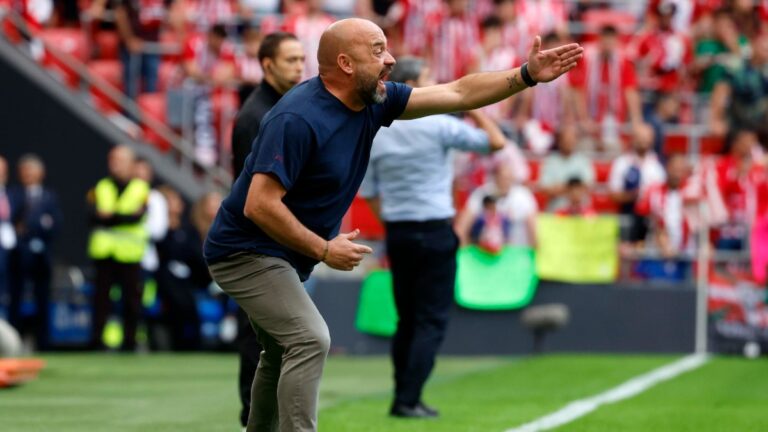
631	175
516	32
408	184
421	21
665	112
253	9
249	71
156	219
119	238
182	274
138	24
605	89
282	58
719	45
208	63
37	218
199	16
564	165
664	54
452	49
742	182
513	200
740	99
7	231
544	16
308	25
576	200
491	229
672	210
494	56
546	108
749	17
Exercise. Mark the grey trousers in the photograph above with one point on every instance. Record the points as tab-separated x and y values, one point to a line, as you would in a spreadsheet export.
285	391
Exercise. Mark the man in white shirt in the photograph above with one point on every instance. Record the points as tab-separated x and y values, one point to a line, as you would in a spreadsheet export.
633	173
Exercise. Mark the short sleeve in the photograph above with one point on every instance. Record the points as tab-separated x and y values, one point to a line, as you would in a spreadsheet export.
457	134
397	99
282	148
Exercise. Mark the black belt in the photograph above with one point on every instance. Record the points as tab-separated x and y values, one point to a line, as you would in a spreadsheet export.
432	223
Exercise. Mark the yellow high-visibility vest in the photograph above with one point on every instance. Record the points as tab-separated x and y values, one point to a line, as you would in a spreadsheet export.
124	243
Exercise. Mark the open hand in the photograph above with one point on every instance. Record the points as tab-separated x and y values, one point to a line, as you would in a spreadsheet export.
343	254
545	66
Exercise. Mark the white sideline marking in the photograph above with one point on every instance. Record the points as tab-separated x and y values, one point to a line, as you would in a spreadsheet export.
634	386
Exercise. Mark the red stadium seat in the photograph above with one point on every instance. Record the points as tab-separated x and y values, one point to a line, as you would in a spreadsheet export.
107	45
680	143
712	145
602	203
109	72
675	143
67	41
602	170
153	105
362	217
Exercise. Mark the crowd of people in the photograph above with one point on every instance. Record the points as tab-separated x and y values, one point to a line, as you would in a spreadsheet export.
141	231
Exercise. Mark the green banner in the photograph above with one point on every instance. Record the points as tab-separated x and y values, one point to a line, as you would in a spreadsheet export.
577	249
495	281
376	313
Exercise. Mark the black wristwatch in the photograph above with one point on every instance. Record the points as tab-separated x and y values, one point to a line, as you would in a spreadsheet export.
527	79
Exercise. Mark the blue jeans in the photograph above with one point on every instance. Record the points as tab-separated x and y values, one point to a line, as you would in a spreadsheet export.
139	72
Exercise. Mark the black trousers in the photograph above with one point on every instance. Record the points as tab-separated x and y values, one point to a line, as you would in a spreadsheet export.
128	277
250	350
35	269
179	310
422	257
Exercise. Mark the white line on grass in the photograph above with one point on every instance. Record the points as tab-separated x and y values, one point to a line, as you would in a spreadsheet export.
634	386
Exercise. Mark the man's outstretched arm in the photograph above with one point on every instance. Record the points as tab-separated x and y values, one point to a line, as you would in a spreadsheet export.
481	89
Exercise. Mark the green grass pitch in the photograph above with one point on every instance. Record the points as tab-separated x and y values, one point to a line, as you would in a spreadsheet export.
197	392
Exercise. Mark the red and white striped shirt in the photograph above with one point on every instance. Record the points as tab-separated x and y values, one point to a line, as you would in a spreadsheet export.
422	17
308	30
542	16
673	210
454	45
248	68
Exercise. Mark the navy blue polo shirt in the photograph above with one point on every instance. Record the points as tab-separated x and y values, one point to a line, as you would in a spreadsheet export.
319	150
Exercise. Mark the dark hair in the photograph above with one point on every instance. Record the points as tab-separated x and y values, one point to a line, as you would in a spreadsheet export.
733	134
407	68
488	200
550	37
491	21
271	44
498	2
574	182
218	30
609	30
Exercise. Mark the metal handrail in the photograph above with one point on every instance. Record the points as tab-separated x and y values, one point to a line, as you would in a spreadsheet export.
180	145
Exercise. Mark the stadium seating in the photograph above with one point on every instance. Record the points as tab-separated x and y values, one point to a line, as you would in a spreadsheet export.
108	72
67	41
681	143
153	105
362	217
107	45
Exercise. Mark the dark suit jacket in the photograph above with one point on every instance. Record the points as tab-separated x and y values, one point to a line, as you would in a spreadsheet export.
248	121
35	219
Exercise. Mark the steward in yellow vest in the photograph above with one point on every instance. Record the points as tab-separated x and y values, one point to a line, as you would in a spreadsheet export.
117	244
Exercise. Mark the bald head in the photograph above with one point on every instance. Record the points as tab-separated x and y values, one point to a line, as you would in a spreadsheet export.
354	61
121	163
643	138
345	37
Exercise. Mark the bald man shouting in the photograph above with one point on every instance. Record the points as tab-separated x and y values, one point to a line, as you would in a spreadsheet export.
284	212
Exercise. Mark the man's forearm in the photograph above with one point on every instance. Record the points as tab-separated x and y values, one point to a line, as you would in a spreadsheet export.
278	222
480	89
